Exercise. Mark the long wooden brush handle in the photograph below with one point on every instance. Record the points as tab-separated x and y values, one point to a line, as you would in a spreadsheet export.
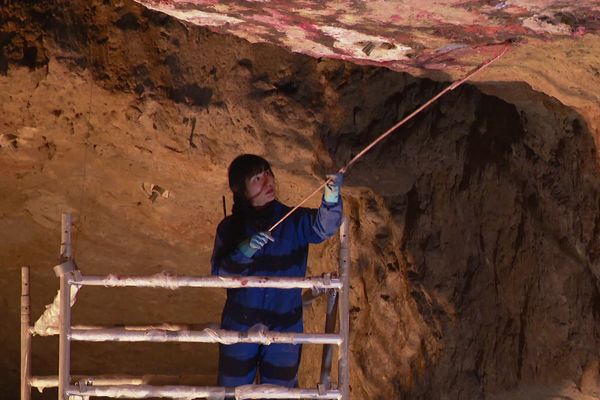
381	137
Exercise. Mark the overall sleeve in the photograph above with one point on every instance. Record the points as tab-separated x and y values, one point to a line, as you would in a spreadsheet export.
227	259
317	225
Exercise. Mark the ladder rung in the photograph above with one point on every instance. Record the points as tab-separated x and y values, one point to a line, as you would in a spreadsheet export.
174	282
207	335
240	392
44	382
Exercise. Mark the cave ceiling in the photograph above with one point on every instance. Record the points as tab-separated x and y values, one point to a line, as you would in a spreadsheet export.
401	35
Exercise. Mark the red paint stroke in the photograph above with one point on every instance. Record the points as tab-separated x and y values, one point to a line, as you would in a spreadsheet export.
311	30
491	31
309	27
280	17
426	15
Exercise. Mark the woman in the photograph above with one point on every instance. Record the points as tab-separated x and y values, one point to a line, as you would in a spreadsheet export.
243	246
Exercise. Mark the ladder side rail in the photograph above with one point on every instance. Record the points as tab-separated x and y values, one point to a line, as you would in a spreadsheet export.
64	357
64	271
327	356
344	309
25	335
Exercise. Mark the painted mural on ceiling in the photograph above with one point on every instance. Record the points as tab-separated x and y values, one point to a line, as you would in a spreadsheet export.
397	34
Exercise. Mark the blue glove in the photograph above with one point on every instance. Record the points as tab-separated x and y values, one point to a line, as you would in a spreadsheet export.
332	189
250	246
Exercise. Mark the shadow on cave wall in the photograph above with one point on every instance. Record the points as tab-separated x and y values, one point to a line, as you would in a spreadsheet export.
496	212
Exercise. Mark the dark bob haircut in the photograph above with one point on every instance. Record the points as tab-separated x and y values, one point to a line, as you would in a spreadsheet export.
244	167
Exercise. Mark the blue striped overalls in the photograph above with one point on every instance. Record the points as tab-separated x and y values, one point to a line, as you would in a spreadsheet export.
278	309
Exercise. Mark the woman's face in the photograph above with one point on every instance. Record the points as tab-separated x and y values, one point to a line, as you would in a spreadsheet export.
260	188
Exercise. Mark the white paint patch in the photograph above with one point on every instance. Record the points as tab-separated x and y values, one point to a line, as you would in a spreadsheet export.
297	40
196	16
543	24
48	323
355	43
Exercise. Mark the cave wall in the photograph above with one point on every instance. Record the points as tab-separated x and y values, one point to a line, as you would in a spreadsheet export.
489	237
475	257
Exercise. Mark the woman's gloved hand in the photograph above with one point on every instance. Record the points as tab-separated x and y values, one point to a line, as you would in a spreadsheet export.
332	189
250	246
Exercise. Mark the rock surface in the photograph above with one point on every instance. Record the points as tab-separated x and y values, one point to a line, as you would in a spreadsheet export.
475	227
